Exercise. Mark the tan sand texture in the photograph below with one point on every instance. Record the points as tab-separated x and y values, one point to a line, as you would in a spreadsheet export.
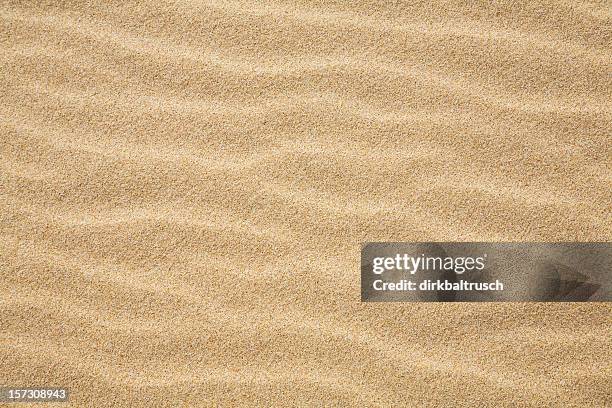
185	186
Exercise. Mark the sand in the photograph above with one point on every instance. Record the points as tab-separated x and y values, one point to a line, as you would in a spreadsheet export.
185	187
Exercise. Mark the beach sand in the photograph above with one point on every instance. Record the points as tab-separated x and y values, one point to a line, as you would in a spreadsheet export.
185	187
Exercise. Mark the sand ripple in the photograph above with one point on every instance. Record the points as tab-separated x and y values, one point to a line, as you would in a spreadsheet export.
185	185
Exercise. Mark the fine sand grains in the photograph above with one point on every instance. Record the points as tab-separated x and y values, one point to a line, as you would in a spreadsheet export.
185	186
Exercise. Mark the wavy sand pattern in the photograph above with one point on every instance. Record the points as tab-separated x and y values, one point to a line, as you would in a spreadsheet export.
185	186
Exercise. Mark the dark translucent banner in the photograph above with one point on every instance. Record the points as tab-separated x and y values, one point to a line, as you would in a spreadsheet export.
486	272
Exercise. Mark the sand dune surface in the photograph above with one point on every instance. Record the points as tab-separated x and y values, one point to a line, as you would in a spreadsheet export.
185	187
